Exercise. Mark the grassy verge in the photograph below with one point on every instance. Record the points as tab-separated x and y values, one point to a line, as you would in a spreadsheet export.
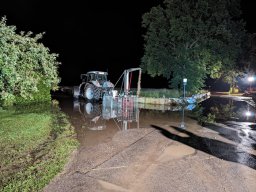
160	93
166	93
34	147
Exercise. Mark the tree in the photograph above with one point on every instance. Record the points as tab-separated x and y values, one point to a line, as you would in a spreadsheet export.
193	39
249	56
28	71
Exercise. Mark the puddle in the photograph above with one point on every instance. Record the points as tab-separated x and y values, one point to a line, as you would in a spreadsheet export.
230	109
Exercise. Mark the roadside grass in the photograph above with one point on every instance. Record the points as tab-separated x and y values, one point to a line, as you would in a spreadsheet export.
160	93
165	93
34	145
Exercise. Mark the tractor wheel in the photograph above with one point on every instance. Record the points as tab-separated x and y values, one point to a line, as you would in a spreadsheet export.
92	110
97	93
91	92
88	92
89	108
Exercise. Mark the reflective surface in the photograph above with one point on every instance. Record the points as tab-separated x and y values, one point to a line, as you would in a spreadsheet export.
231	137
96	123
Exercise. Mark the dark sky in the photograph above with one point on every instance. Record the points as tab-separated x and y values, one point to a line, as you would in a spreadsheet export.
99	35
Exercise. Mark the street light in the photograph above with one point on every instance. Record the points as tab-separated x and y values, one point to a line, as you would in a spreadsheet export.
250	79
185	80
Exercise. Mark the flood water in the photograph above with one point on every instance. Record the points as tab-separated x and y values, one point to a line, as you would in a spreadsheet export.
231	118
95	124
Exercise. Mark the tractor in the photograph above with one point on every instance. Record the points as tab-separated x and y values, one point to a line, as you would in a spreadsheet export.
93	86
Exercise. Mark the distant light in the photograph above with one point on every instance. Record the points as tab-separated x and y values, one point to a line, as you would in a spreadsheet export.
248	113
250	79
185	80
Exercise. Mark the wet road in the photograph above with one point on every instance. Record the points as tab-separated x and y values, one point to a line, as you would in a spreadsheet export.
94	124
157	150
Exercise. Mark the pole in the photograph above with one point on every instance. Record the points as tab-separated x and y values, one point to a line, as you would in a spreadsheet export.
184	87
126	82
138	84
184	91
182	125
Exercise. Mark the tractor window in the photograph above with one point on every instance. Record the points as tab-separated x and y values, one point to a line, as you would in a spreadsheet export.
102	78
99	77
92	77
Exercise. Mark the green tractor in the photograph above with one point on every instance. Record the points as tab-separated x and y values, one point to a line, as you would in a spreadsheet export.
94	85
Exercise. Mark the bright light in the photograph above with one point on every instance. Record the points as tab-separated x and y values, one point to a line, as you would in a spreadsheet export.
185	80
248	113
250	79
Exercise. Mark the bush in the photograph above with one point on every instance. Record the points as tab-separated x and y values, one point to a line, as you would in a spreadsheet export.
28	71
42	95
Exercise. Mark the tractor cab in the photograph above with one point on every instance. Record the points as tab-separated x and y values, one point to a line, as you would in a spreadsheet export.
99	76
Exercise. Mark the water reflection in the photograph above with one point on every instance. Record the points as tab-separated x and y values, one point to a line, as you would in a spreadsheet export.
90	114
123	111
182	124
234	119
98	122
225	109
213	147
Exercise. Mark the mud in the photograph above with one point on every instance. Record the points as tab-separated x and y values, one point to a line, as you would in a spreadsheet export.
151	152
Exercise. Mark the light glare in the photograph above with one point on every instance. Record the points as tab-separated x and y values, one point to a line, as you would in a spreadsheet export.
248	113
250	79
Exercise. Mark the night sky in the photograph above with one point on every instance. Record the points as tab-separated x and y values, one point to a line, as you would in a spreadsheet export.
99	35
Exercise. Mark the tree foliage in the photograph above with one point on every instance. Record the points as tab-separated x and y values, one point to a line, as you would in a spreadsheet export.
193	39
26	65
248	58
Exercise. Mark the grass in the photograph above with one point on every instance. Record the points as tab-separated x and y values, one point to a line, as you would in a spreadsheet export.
165	93
160	93
34	147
